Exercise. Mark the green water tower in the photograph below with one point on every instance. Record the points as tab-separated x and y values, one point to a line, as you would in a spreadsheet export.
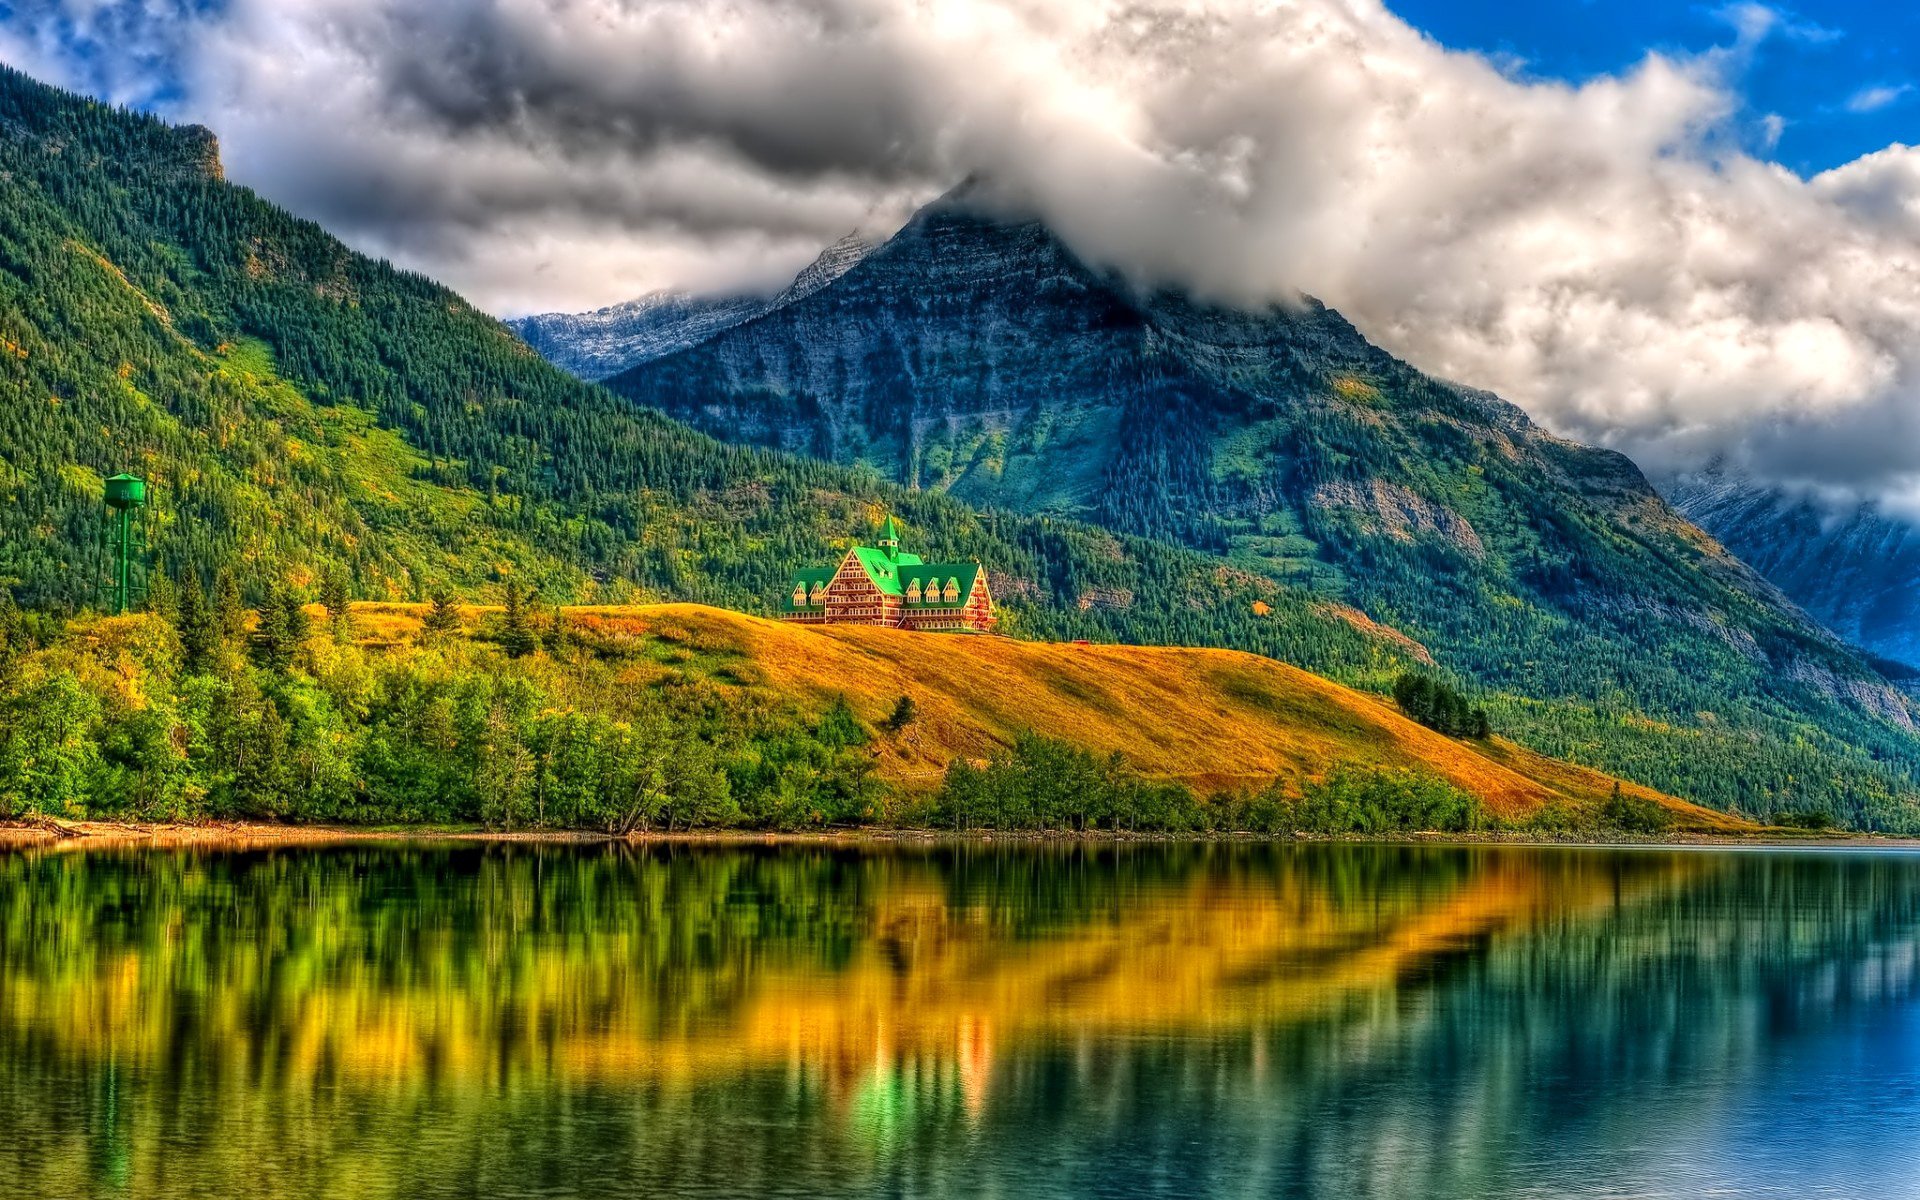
125	495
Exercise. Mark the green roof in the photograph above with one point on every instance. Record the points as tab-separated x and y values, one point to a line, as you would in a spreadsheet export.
884	567
806	578
962	575
890	532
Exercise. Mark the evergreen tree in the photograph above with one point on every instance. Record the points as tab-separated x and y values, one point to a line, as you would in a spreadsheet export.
272	647
12	632
283	626
162	596
335	597
518	639
229	610
901	716
193	619
556	634
442	618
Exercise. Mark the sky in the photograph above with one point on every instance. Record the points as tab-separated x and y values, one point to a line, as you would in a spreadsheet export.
1690	232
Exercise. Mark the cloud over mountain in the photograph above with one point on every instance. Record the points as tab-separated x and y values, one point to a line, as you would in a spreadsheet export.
1605	254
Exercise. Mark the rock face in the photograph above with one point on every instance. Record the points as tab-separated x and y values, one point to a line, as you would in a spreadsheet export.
606	341
1857	572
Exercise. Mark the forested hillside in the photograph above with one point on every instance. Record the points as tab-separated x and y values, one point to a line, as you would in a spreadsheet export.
303	411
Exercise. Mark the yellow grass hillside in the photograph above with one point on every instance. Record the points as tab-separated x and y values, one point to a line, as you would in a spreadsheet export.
1217	720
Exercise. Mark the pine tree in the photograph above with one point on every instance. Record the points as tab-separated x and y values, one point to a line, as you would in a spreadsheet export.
282	628
556	637
334	595
299	624
162	596
229	611
13	642
271	644
901	716
518	640
199	638
441	619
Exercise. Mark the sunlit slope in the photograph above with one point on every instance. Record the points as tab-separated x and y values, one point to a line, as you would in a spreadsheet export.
1217	720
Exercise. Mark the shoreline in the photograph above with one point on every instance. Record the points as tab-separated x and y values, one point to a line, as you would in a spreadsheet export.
240	835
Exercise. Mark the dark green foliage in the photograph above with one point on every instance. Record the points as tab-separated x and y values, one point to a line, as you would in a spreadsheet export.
1361	802
443	617
335	595
12	630
1044	784
1041	783
282	625
517	637
901	716
1630	814
1439	706
194	622
229	611
1812	820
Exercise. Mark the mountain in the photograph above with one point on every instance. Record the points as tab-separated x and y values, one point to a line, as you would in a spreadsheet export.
302	410
606	341
974	354
1856	572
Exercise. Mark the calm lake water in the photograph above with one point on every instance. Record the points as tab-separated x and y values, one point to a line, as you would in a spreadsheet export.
412	1021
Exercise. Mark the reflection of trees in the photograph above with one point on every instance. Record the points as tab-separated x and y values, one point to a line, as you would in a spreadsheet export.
691	1013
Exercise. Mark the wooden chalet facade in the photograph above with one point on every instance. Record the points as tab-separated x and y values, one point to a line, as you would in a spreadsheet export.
881	585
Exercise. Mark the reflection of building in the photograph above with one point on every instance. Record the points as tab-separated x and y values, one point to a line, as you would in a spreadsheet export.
883	585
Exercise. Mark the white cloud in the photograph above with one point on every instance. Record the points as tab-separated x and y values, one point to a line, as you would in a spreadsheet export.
1604	254
1877	97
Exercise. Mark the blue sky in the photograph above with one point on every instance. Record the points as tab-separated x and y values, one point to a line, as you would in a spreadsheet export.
1842	74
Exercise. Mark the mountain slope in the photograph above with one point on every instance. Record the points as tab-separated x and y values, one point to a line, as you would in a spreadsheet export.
1857	573
974	354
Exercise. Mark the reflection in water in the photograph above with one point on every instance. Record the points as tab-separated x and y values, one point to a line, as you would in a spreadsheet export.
1297	1020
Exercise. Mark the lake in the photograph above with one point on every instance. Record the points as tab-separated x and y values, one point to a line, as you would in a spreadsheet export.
399	1020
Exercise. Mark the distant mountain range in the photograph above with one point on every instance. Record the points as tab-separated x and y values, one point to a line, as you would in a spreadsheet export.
606	341
1857	572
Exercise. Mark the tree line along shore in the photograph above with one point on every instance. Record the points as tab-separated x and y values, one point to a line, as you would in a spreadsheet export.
677	718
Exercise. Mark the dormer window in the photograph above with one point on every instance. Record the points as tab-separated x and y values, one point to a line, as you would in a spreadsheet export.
953	590
819	593
913	592
799	595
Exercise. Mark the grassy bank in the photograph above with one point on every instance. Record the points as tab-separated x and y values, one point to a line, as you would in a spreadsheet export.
678	717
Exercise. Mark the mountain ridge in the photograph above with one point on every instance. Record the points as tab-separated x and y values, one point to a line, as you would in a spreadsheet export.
609	340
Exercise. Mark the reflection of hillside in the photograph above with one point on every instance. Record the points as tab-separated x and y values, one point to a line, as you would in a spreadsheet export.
765	1021
474	983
